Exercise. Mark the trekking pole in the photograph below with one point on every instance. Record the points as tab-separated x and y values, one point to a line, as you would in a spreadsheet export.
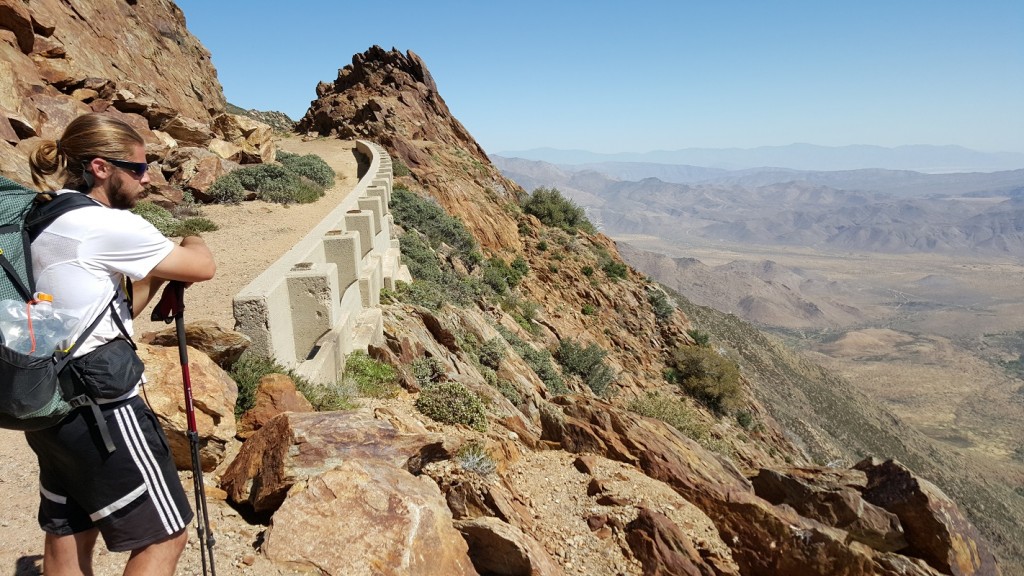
172	306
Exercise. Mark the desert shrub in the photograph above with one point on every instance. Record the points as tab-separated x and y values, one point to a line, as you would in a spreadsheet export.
415	213
745	419
194	226
276	183
473	457
659	302
399	169
419	257
700	338
452	403
187	208
158	216
613	269
309	166
672	411
588	310
538	360
492	352
588	271
371	377
250	368
502	277
542	246
509	391
708	376
227	189
427	370
553	209
587	363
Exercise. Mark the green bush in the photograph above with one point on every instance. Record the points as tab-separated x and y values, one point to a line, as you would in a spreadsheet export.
399	169
700	338
613	269
553	209
309	166
538	360
672	411
707	376
659	302
492	352
371	378
168	225
473	457
158	216
250	368
270	182
412	212
588	271
587	363
427	370
588	310
452	403
227	189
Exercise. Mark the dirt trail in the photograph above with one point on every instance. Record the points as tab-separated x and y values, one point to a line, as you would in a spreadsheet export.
250	238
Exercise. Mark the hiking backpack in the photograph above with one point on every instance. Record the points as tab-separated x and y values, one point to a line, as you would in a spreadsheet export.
35	392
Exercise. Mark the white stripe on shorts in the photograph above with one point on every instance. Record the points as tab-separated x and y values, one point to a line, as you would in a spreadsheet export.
51	496
149	468
120	503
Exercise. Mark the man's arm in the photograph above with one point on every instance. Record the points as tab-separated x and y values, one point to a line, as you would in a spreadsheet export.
189	262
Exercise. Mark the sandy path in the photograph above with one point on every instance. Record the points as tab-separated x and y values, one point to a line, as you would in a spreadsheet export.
251	237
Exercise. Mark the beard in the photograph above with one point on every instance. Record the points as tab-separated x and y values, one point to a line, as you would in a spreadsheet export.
119	197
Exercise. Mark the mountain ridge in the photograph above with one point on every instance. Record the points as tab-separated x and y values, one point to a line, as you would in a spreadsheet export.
921	158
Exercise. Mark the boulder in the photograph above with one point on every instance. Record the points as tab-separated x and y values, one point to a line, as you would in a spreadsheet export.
275	394
253	139
662	548
936	530
292	447
500	549
188	131
830	497
223	346
365	517
15	16
213	394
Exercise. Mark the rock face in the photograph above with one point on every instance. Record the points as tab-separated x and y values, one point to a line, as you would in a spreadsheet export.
293	447
213	393
501	549
391	98
221	345
936	529
366	518
663	549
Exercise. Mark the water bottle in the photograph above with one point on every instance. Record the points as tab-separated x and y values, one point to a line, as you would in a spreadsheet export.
35	328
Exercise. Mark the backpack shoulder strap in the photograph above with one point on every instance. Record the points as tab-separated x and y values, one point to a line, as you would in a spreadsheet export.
45	212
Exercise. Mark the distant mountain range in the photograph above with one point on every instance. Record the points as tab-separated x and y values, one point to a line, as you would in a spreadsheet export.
861	210
928	159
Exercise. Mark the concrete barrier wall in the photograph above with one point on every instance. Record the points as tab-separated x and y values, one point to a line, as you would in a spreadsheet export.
321	300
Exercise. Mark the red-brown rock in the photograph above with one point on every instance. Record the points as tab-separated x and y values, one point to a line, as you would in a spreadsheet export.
937	531
15	16
501	549
293	447
275	394
663	549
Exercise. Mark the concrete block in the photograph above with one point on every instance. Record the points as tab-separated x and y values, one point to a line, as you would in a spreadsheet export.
380	192
371	279
374	205
369	329
362	221
313	299
265	316
343	249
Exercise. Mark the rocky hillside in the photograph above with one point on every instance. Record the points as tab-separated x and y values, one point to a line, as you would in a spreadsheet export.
390	97
579	425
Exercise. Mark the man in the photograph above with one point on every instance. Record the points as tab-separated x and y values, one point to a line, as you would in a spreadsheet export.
131	495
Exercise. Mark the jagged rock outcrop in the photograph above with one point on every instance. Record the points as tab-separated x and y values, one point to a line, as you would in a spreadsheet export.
213	393
294	447
367	518
275	394
500	549
391	98
764	538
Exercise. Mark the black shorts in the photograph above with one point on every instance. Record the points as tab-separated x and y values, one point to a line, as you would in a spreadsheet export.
133	495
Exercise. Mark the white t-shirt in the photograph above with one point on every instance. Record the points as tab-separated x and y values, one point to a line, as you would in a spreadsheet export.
81	257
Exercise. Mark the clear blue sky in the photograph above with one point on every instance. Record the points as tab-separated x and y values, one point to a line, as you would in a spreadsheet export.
616	76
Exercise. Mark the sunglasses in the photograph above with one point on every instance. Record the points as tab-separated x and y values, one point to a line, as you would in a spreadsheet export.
136	168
